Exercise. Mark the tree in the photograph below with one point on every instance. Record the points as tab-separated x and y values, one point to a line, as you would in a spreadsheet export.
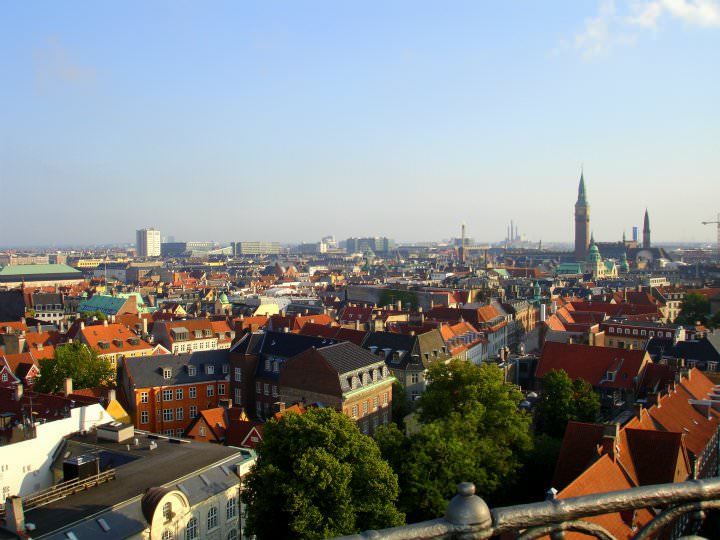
77	361
401	407
563	400
317	476
471	430
695	307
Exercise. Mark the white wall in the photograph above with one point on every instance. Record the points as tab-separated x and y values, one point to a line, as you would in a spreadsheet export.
25	466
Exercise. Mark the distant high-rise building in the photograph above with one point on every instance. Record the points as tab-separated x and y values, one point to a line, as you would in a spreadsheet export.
377	244
257	248
646	231
148	243
582	222
636	234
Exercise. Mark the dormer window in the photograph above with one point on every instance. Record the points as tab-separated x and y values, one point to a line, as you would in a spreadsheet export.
167	511
167	373
610	376
209	369
192	371
207	332
226	369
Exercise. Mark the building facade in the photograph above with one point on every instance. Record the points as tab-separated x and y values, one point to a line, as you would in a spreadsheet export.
148	243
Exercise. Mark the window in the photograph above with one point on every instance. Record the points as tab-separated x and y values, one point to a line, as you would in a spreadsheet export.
4	377
365	427
193	411
210	369
167	373
157	397
167	395
144	417
266	389
191	529
212	518
231	508
179	394
258	387
238	396
168	433
611	329
221	389
376	403
232	535
168	415
385	398
192	371
276	366
238	374
365	407
267	364
167	535
202	431
627	331
143	396
226	369
192	392
210	390
414	378
355	411
167	511
385	418
643	332
179	413
635	332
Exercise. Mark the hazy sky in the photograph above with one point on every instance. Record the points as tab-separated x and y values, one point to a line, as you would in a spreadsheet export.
291	120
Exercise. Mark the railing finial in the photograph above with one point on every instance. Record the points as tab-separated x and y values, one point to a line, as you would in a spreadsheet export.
467	509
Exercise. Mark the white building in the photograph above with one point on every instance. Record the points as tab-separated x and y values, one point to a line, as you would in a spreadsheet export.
148	243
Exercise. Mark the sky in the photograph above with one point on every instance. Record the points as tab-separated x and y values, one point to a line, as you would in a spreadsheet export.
289	121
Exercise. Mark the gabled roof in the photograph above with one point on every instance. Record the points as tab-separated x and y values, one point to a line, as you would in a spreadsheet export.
347	357
578	451
147	371
593	363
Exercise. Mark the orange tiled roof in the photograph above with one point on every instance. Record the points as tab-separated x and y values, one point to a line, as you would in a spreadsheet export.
116	336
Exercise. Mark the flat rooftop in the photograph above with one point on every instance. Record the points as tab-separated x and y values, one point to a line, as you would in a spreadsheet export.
137	469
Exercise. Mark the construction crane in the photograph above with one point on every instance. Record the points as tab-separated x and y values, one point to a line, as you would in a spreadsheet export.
716	222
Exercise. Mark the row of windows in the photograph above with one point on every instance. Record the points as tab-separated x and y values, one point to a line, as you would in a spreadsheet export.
231	512
169	415
266	388
651	333
365	405
167	395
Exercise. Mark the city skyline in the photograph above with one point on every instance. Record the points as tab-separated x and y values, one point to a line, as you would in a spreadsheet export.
289	122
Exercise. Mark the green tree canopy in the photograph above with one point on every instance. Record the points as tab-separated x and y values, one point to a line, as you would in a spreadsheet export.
317	476
695	307
77	361
471	430
563	400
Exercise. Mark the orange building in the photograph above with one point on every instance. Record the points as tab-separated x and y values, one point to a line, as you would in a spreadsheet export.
163	394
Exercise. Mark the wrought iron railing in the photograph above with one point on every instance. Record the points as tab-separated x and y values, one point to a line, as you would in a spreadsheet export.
469	518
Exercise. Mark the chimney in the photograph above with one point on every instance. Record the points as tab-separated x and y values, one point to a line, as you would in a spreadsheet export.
15	515
18	392
68	386
38	328
638	407
111	394
105	322
279	406
82	325
225	403
144	326
609	440
357	324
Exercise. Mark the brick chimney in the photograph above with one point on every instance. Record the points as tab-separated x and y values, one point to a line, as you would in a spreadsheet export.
15	515
68	386
609	441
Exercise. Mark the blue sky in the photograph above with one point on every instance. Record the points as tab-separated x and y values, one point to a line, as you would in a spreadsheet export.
292	120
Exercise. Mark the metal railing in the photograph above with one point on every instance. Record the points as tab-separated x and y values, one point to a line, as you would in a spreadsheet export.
469	518
62	490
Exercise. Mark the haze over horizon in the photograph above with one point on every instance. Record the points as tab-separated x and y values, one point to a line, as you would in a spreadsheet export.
288	122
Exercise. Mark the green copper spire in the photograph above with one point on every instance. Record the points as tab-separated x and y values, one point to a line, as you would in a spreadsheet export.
582	197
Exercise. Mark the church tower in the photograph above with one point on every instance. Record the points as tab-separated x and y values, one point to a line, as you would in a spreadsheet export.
582	223
646	231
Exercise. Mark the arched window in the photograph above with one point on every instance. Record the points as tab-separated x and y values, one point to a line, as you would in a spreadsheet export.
191	530
212	518
231	508
167	511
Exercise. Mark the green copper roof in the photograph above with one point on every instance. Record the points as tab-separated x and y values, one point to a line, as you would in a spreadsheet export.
107	305
35	269
569	268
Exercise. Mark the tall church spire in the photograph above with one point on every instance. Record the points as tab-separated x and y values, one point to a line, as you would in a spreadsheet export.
582	198
646	230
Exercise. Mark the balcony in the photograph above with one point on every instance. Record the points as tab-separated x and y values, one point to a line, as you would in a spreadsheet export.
469	518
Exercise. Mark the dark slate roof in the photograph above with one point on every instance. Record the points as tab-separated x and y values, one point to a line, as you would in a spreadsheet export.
44	299
346	357
704	350
281	346
12	306
415	346
147	371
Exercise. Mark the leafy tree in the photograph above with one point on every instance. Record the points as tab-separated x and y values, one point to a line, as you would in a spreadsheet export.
471	430
401	407
695	307
317	476
563	400
99	315
77	361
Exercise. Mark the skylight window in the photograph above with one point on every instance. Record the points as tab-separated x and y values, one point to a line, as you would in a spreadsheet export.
103	525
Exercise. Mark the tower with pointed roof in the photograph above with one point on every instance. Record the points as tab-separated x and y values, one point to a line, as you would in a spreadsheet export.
582	222
646	231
